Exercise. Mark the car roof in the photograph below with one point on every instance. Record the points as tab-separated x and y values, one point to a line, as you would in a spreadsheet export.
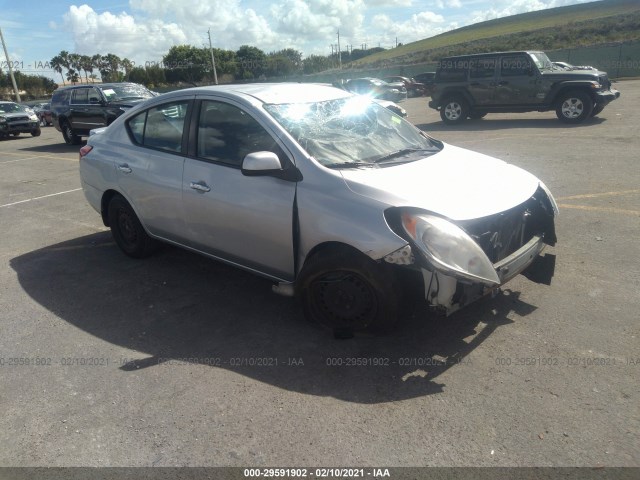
99	85
271	92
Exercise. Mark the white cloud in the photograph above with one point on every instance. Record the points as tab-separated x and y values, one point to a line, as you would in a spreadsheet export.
420	25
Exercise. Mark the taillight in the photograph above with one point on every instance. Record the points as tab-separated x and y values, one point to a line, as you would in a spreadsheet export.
85	150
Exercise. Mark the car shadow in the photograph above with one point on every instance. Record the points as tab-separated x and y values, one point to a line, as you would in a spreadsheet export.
178	305
54	148
488	124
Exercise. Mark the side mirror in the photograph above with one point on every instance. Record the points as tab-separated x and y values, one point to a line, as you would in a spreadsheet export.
267	164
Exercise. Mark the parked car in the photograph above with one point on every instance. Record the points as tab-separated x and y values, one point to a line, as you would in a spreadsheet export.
328	194
474	85
414	88
43	111
427	79
376	88
16	119
77	109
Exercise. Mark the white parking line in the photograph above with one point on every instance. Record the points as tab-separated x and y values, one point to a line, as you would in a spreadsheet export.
38	198
18	160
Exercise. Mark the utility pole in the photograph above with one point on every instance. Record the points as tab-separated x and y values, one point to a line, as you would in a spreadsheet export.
339	52
13	79
213	60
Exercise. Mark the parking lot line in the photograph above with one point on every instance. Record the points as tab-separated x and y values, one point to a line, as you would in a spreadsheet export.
596	195
600	209
38	198
31	157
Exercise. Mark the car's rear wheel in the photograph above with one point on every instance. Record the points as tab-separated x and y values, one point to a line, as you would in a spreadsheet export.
36	132
127	230
16	134
347	292
454	110
574	107
69	135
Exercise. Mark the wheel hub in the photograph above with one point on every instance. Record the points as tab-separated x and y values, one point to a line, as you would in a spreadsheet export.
346	299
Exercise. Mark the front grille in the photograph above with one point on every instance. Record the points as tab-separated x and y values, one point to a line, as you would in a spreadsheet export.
17	119
502	234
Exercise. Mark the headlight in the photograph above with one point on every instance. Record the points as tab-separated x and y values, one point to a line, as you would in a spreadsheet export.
3	120
552	200
449	248
33	117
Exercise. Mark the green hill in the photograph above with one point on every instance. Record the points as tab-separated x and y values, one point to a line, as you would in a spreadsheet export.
562	27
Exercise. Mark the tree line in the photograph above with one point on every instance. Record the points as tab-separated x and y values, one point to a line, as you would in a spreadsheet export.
184	64
193	65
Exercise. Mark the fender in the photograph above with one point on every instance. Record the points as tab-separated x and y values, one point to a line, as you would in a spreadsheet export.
558	88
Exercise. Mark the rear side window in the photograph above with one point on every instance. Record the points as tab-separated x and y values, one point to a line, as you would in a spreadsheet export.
60	97
80	96
160	127
453	70
482	68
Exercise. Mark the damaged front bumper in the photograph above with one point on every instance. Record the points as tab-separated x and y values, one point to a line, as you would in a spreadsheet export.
449	294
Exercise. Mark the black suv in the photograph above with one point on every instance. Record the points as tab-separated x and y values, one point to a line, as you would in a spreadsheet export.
78	109
474	85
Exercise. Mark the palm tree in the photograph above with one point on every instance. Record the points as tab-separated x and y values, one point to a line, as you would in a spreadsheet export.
56	64
74	63
127	65
86	63
72	76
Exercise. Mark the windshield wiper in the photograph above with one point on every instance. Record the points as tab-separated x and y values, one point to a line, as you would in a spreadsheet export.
398	153
350	165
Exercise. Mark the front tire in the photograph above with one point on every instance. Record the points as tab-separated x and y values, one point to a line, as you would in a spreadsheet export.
69	135
347	292
574	107
454	110
36	132
127	230
597	109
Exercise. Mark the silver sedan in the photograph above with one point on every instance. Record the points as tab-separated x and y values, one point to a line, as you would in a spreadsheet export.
328	194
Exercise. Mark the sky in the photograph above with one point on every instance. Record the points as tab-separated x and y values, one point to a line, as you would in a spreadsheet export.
144	30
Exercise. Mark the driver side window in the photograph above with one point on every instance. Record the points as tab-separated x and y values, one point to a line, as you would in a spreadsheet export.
226	134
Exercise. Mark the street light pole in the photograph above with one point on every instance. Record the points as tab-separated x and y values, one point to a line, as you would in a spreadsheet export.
213	60
13	79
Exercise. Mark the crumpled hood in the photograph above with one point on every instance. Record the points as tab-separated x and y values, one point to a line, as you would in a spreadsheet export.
456	183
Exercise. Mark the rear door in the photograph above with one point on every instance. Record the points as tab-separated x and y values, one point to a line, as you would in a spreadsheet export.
149	168
245	220
482	80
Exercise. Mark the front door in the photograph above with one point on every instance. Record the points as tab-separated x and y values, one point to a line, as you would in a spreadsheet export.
518	82
245	220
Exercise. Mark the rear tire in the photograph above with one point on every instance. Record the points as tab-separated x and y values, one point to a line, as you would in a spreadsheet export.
69	135
127	230
454	110
347	292
574	107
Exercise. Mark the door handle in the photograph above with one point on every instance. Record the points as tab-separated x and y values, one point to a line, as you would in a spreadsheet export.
200	186
124	168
